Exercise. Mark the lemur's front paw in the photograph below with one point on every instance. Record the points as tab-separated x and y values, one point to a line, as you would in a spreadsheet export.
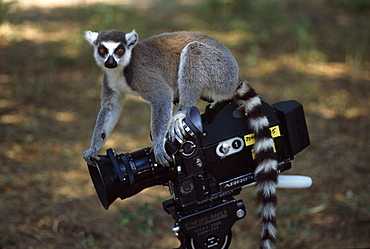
161	156
89	155
177	126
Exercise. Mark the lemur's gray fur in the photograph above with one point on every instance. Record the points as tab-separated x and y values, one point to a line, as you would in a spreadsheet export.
185	66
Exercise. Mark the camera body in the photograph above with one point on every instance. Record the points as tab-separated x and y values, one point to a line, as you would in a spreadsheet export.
211	165
214	160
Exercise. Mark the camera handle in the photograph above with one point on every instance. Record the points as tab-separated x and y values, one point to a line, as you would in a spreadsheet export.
294	181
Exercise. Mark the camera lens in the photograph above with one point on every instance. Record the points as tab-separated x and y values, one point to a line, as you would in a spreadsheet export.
125	175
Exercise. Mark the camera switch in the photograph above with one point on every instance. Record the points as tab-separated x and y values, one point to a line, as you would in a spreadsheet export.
229	147
225	148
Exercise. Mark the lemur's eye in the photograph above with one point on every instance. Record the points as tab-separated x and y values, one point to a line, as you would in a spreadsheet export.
120	51
101	50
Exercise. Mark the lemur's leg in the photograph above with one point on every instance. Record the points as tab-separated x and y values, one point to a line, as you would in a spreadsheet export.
111	107
204	71
160	123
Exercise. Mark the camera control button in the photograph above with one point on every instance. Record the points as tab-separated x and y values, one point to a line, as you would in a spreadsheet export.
188	149
198	162
186	187
225	148
229	147
236	144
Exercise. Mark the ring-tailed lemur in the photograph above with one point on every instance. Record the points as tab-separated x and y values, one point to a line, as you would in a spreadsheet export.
184	66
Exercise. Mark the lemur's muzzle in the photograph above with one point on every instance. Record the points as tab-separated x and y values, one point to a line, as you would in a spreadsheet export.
110	62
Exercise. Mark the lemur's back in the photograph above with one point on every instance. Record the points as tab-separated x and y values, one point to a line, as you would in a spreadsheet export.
176	41
161	53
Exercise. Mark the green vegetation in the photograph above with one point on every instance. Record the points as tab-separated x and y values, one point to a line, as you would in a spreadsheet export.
141	219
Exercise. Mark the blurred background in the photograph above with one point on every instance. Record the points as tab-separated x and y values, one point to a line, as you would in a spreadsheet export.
316	52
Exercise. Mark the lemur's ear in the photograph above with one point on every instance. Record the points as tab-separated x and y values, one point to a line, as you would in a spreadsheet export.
132	39
91	36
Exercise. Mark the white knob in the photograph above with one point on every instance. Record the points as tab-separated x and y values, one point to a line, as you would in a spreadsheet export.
292	181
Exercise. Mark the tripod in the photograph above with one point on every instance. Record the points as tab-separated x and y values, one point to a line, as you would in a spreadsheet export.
208	228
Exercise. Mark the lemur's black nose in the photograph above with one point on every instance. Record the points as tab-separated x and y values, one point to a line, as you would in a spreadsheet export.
110	62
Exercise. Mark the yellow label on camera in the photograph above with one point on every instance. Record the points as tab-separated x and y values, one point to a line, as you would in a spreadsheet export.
275	131
250	139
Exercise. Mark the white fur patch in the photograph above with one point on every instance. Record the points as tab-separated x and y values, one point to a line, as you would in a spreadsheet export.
268	188
132	38
111	46
118	82
263	144
251	104
258	123
268	227
268	211
182	62
243	90
266	166
267	244
91	36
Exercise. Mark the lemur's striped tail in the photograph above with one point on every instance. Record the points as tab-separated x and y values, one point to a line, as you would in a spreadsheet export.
266	163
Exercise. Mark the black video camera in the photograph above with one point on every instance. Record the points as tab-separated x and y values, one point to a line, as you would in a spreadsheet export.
210	166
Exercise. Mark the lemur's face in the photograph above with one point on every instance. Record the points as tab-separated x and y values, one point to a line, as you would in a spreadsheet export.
110	54
112	48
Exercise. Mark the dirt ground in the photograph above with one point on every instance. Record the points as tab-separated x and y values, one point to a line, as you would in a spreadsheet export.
49	97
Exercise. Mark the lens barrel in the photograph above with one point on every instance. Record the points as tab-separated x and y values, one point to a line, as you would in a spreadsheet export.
125	175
